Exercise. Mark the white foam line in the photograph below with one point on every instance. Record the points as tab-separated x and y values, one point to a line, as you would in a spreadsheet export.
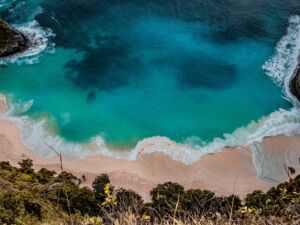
280	68
282	65
34	135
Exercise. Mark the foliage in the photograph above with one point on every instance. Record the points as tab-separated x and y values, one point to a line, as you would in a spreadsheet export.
29	197
129	200
167	198
26	166
99	185
44	176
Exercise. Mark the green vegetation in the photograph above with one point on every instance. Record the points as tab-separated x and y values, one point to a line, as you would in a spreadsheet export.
44	197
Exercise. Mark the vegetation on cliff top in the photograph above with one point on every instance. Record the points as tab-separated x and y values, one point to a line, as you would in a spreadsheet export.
44	197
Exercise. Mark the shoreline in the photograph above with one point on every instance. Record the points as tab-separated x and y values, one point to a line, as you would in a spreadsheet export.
231	171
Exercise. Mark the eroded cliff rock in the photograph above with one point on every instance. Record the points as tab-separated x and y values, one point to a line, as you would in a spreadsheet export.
11	40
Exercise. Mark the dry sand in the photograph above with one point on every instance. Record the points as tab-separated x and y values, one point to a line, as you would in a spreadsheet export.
231	171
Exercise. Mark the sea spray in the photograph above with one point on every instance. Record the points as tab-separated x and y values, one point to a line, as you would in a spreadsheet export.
36	136
38	39
282	65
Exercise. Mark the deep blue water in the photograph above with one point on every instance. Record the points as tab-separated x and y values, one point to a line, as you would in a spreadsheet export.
132	69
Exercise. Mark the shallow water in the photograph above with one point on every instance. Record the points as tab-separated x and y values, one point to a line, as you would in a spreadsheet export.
128	70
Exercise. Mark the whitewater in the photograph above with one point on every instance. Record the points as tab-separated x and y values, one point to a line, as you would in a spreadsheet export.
34	134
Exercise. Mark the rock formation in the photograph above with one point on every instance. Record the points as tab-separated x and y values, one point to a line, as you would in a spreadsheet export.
11	40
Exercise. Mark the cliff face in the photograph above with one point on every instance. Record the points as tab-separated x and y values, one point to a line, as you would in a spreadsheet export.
11	40
295	84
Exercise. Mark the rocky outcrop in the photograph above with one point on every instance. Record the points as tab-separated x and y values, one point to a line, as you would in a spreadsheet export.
11	40
295	83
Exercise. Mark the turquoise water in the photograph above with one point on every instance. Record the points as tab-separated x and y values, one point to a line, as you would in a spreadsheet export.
128	70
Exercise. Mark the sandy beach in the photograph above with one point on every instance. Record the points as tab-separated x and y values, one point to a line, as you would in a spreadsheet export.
231	171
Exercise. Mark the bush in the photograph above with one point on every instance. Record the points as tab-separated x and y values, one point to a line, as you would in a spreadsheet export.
5	166
72	198
7	216
128	200
15	204
26	166
66	177
167	197
256	199
198	202
229	205
44	175
99	185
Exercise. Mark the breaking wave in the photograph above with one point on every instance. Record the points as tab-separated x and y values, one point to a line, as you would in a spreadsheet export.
280	68
38	39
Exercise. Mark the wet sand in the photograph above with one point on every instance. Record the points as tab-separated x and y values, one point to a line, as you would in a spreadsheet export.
231	171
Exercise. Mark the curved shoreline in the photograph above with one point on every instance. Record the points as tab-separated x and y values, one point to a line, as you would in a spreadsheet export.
233	170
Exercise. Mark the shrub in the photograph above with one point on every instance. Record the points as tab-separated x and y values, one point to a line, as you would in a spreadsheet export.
26	166
128	200
14	204
167	197
229	205
99	185
66	177
7	216
72	198
256	199
198	202
5	166
44	175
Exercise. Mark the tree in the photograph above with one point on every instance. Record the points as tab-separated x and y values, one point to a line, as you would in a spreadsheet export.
128	200
167	197
199	202
26	166
44	175
72	198
99	185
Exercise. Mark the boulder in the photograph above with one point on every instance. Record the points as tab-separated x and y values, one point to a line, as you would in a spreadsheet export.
11	40
295	83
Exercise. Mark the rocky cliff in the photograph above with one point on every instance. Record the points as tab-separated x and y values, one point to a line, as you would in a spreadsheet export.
11	40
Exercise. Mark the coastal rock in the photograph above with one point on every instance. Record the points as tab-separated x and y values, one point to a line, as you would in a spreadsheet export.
295	83
11	40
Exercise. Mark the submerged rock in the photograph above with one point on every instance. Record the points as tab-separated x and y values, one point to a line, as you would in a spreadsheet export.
11	40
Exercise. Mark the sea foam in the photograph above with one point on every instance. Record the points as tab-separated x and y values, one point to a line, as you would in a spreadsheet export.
38	39
281	122
281	67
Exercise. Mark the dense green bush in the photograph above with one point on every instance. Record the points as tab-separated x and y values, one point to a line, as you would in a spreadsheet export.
16	204
5	166
99	185
256	199
199	202
73	199
44	176
66	177
29	195
26	166
128	200
167	197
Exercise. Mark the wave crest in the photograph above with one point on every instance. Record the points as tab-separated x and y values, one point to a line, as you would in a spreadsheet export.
282	65
282	122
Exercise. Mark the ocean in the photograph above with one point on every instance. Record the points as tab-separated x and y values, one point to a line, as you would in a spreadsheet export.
120	77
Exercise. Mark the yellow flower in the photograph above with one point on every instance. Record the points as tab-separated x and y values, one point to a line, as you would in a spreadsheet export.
146	218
